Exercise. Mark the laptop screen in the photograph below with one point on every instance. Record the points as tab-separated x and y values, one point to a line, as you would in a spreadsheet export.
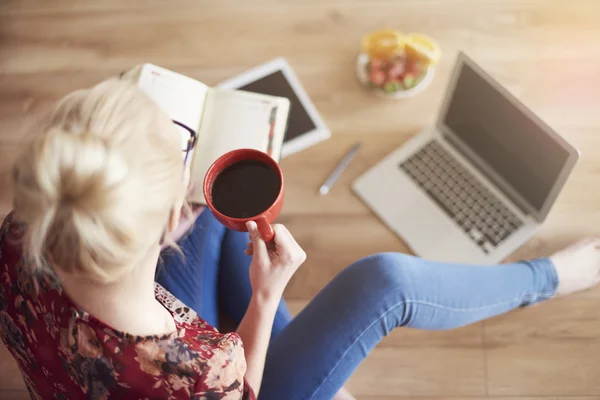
501	135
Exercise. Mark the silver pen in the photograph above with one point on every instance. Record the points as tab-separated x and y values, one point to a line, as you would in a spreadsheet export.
330	181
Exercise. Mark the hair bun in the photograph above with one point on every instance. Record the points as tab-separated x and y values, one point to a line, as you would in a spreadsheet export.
78	171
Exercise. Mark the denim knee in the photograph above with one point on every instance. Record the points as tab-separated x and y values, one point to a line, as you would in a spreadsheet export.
383	285
384	273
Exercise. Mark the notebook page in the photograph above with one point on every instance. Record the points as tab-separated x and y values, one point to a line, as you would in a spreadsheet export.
279	126
180	97
232	120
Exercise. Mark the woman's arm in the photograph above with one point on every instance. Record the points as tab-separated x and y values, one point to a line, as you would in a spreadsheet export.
255	331
270	272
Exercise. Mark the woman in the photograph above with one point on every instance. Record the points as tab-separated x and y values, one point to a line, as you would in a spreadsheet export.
98	192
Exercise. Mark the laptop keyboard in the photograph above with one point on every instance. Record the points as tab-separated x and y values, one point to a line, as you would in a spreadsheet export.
471	205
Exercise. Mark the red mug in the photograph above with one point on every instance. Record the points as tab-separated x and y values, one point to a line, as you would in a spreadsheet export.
265	218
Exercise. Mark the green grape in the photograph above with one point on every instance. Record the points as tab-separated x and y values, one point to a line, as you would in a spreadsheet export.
390	87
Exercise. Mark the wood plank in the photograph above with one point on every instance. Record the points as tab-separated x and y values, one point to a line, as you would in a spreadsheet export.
544	367
431	371
561	320
548	349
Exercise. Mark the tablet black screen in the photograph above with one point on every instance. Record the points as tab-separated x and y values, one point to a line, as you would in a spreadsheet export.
276	84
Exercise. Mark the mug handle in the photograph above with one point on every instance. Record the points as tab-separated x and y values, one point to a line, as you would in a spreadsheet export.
265	229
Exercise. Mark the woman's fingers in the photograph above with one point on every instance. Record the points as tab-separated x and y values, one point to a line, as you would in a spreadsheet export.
287	248
259	247
283	238
249	250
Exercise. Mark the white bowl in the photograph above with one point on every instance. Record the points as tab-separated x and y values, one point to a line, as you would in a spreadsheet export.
361	73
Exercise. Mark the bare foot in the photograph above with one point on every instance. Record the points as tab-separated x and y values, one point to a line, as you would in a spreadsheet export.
577	266
343	394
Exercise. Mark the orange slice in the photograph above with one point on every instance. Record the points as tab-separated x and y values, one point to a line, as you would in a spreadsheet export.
383	44
422	48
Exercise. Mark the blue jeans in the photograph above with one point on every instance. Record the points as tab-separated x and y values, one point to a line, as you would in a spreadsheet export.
312	355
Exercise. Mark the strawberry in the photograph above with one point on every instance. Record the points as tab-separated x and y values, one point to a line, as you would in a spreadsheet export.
377	77
395	70
376	63
413	67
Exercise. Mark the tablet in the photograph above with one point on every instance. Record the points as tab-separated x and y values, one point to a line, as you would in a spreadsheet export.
276	77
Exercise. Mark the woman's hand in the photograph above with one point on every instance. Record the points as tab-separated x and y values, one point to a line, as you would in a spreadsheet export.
274	264
186	219
185	223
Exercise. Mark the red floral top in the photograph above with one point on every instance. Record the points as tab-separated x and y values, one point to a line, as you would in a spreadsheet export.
65	353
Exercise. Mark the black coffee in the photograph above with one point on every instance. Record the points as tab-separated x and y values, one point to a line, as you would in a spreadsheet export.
245	188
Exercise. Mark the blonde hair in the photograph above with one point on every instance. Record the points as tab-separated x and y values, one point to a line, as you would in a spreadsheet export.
96	186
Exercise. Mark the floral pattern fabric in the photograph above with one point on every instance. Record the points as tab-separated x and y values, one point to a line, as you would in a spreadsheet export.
65	353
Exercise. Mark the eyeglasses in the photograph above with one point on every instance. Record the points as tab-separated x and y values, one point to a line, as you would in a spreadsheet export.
188	139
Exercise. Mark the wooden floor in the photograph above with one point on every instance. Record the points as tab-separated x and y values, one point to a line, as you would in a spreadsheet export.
546	52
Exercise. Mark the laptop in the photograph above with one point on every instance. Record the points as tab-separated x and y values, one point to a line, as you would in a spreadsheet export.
476	186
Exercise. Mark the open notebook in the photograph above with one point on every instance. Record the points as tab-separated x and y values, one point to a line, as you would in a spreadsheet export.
223	120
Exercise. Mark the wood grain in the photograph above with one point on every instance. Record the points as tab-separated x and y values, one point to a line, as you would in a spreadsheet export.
544	51
544	367
421	371
554	353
